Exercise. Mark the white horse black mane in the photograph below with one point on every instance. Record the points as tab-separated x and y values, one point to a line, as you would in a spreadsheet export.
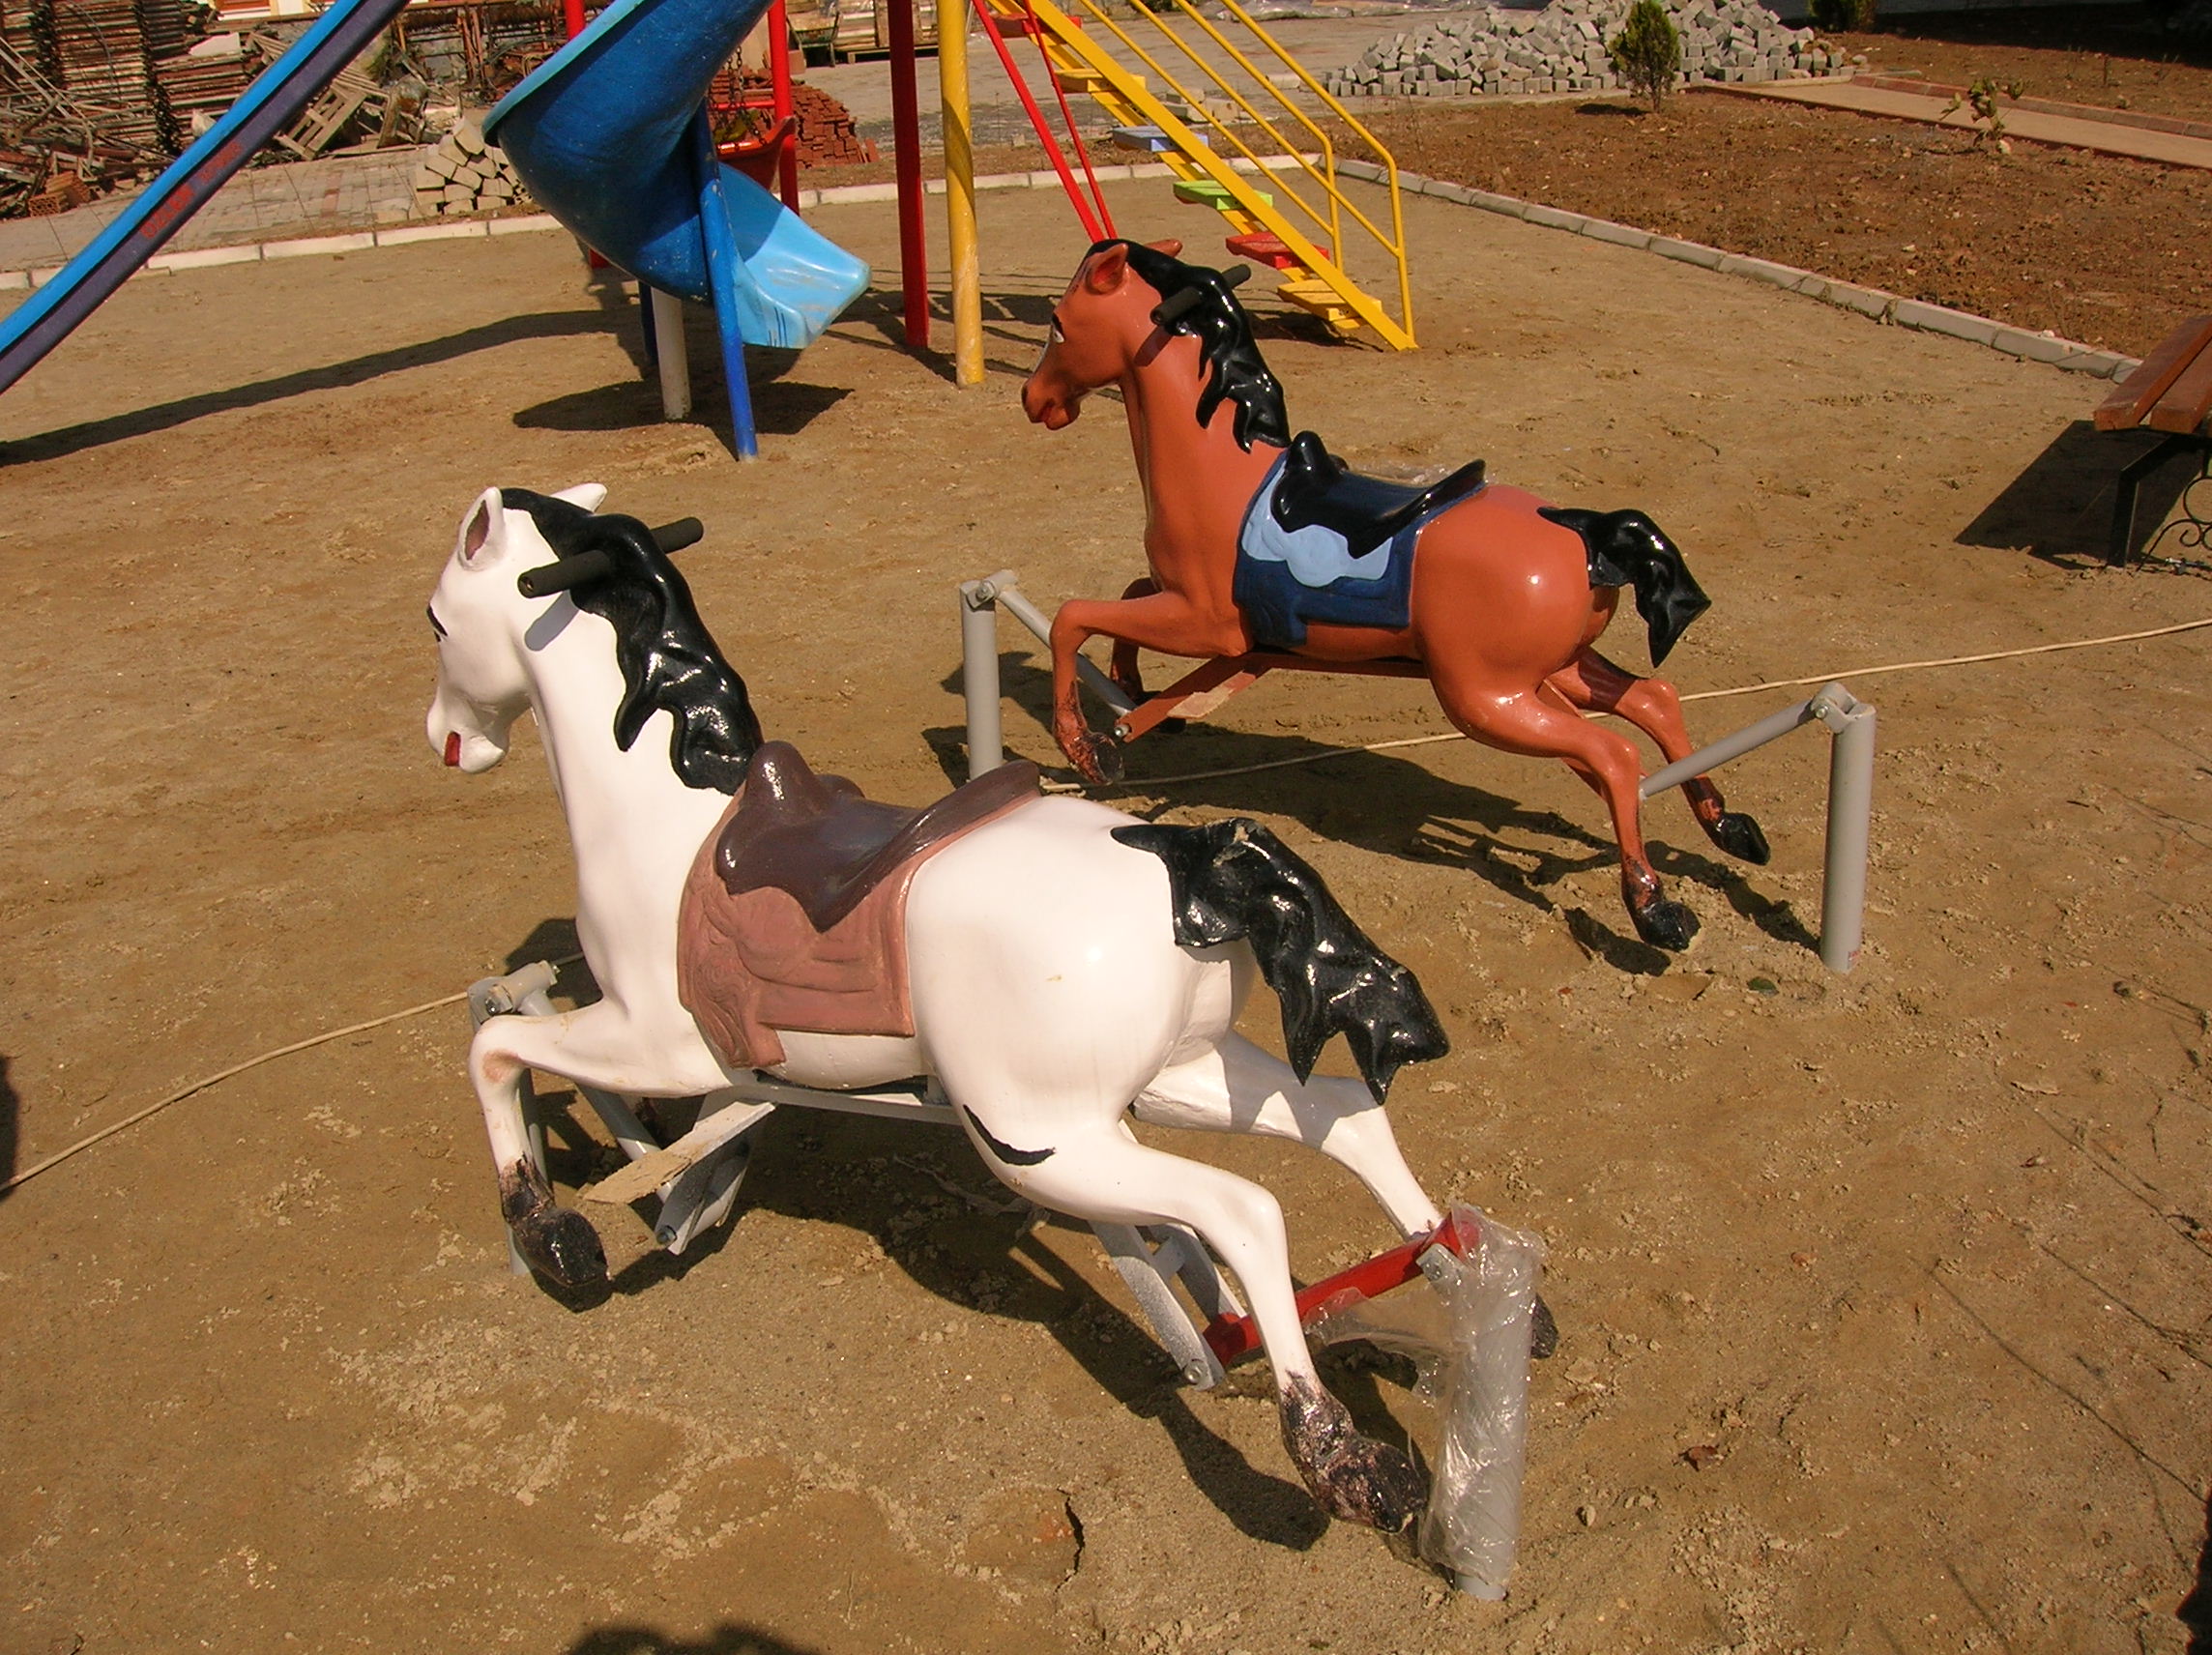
669	660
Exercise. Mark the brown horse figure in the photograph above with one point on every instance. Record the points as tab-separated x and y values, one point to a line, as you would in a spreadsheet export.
1258	540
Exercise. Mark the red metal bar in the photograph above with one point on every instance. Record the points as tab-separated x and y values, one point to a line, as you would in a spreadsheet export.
779	77
1233	1338
1067	115
1091	224
906	135
573	17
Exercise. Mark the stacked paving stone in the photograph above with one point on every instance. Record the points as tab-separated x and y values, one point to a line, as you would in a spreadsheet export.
464	174
1562	49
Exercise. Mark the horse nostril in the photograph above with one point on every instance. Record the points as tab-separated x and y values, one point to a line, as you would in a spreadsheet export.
454	749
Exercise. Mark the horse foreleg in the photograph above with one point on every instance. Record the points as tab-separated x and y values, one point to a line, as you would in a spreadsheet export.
1124	670
1165	621
1531	723
1651	704
1101	1173
1238	1088
596	1046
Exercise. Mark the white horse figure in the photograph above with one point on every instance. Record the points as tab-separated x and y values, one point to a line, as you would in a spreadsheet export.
1065	965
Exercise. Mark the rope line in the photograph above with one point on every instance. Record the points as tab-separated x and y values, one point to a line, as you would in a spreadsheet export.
323	1039
182	1093
1140	784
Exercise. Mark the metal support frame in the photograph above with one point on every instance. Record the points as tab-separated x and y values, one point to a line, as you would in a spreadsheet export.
1151	1259
1846	717
2194	529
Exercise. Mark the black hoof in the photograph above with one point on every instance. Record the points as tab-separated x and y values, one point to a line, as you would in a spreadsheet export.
1543	1332
561	1245
1665	924
1373	1484
1353	1478
1740	837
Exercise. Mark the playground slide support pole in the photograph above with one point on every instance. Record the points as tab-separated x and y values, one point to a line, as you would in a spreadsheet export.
960	197
672	357
779	78
722	262
906	137
573	18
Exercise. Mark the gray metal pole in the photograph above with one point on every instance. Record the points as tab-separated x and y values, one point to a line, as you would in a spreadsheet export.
672	349
980	676
1770	728
1036	620
1851	827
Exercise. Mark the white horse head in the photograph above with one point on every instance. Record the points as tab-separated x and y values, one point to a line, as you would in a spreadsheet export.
483	623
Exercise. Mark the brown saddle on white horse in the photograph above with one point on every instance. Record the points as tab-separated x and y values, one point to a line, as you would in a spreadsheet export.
794	916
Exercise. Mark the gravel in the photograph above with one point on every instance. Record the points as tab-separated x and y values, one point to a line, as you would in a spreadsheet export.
1496	52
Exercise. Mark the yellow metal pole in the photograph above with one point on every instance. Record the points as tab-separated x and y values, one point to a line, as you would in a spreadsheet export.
960	193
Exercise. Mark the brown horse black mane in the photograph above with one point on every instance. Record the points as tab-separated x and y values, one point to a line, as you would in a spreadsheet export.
1234	368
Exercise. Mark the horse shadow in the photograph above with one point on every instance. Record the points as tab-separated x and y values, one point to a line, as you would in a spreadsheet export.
1394	808
10	1111
2195	1612
730	1638
2060	510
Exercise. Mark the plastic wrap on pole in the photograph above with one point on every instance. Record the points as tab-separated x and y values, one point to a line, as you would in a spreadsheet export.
1474	1500
1470	1340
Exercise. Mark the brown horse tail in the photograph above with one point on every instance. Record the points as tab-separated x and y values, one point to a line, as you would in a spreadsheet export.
1626	548
1235	878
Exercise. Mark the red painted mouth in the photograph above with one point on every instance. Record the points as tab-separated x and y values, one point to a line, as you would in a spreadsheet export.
454	749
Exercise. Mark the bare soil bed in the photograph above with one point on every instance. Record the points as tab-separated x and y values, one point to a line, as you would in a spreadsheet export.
1882	1296
2100	248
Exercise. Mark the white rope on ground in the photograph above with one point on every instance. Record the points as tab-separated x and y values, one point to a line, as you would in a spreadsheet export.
182	1093
1141	784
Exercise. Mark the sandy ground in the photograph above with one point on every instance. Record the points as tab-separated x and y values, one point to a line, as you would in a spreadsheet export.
1916	1259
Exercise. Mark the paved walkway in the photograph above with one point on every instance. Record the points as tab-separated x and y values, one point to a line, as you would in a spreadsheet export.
2076	131
261	204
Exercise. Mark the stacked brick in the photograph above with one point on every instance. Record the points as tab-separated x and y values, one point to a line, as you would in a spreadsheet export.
1493	51
742	102
464	174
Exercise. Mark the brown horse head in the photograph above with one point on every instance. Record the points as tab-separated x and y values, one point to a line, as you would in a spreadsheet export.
1099	326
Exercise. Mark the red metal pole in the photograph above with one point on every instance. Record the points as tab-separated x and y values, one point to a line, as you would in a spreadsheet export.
573	17
906	135
779	77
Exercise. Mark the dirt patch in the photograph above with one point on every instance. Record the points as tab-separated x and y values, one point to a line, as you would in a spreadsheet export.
2119	56
1881	1296
2093	247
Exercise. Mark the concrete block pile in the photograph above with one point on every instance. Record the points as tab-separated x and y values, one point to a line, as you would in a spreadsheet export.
464	175
1495	51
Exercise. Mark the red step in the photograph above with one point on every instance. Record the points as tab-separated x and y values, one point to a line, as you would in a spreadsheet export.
1271	251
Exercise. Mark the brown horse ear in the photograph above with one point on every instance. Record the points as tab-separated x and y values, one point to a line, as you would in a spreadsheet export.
1108	271
1171	247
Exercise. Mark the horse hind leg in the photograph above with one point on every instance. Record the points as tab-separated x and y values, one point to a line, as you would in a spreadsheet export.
1653	706
1097	1171
1536	725
1236	1087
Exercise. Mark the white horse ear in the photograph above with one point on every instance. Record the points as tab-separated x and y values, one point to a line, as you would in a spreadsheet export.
484	531
586	495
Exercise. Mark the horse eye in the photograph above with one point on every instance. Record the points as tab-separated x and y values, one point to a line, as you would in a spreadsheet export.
434	626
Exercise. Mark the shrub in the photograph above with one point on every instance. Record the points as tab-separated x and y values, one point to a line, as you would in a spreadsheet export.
1844	17
1648	53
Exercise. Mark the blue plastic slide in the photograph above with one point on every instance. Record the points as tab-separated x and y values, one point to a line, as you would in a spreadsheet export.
273	103
610	136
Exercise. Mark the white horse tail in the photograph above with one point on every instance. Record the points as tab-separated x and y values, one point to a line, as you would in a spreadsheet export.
1236	879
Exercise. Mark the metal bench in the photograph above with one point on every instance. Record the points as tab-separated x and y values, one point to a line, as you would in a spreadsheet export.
2171	392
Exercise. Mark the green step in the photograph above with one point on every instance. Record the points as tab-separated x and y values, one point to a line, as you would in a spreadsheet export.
1207	193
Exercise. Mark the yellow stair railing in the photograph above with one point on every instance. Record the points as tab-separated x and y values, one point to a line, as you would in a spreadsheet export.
1200	144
